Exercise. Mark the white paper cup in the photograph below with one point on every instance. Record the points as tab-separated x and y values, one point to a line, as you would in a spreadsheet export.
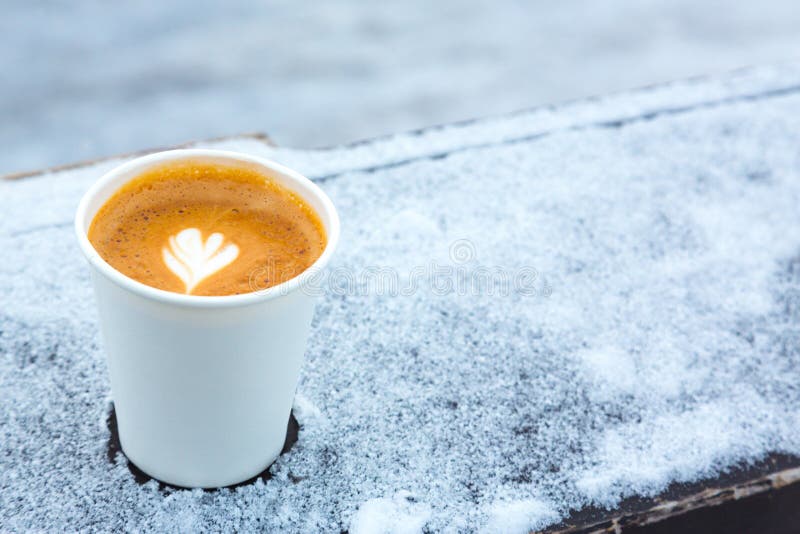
202	386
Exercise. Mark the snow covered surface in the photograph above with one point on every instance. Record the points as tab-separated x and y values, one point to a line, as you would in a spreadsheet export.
658	341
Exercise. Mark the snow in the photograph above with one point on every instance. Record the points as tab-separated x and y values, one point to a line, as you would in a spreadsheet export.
664	226
399	515
519	517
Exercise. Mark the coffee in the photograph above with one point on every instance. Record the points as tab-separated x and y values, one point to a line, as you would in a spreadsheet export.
205	228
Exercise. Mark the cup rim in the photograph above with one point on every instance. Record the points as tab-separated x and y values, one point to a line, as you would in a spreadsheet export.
201	301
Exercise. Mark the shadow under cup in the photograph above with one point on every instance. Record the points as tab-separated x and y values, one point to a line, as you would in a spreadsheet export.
203	386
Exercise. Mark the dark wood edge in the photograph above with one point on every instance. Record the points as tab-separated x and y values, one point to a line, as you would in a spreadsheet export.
258	136
705	499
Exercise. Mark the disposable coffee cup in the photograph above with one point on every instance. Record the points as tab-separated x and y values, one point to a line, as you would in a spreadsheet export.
203	386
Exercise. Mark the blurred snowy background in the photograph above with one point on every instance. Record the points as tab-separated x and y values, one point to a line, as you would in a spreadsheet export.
91	78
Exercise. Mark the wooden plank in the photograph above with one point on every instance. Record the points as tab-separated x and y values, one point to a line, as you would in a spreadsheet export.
757	498
744	499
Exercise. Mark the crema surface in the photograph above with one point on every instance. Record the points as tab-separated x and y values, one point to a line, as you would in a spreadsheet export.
205	228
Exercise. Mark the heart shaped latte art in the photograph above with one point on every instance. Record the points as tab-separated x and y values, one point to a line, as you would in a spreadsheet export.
192	260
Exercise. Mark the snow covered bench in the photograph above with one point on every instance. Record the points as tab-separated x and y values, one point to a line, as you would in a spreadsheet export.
632	353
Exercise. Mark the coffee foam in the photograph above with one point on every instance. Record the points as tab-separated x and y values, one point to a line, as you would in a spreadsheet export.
207	229
193	261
